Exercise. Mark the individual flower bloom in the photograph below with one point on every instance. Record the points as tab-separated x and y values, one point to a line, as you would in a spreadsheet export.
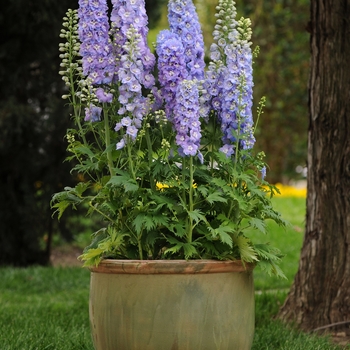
189	149
96	46
148	80
118	126
183	21
126	121
263	172
132	131
120	144
200	157
228	150
158	99
103	96
93	113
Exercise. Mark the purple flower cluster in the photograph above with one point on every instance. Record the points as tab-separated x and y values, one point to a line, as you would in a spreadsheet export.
130	127
131	100
132	13
135	64
183	21
181	66
186	118
244	63
230	86
171	66
96	47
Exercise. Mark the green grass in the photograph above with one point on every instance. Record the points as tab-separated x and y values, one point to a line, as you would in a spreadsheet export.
289	240
47	308
44	309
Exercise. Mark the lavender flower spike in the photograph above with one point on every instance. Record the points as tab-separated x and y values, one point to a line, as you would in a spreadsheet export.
184	22
126	14
171	66
231	84
134	106
186	118
96	47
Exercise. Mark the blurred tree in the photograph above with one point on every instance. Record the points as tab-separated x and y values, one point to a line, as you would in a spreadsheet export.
320	293
33	122
32	126
280	74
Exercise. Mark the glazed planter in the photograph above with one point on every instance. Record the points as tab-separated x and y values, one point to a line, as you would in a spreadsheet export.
172	304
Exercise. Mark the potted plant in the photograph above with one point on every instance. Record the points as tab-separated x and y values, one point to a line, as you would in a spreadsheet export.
163	146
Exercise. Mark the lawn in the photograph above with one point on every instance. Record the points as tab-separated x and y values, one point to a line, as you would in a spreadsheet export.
289	240
47	308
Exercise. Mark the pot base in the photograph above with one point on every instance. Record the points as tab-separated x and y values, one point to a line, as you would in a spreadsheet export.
160	311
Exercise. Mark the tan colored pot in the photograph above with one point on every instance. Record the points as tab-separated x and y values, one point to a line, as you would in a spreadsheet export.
172	305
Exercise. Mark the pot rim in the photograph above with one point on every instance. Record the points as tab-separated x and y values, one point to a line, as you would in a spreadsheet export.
153	267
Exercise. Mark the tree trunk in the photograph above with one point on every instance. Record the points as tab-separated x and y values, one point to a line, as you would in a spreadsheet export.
320	293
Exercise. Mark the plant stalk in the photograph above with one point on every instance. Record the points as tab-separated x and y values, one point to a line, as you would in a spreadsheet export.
190	199
108	143
150	158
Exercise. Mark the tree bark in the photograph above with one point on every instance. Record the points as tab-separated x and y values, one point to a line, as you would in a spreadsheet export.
320	294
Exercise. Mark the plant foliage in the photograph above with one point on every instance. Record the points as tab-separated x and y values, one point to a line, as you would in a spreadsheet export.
164	194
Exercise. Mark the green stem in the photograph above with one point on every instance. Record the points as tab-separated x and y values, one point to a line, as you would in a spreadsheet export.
150	158
76	110
131	164
100	212
191	206
140	246
238	130
108	143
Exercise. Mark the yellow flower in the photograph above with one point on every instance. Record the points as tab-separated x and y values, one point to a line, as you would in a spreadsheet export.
291	191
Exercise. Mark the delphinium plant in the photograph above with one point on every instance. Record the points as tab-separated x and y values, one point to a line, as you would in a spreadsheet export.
163	143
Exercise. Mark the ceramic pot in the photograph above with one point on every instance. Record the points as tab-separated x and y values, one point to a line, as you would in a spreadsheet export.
172	304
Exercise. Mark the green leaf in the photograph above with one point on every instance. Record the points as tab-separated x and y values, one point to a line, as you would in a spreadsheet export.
85	150
223	232
215	197
61	207
258	224
266	252
92	257
81	187
99	235
246	251
271	268
197	216
163	200
224	236
178	229
175	248
203	190
139	222
129	184
189	250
